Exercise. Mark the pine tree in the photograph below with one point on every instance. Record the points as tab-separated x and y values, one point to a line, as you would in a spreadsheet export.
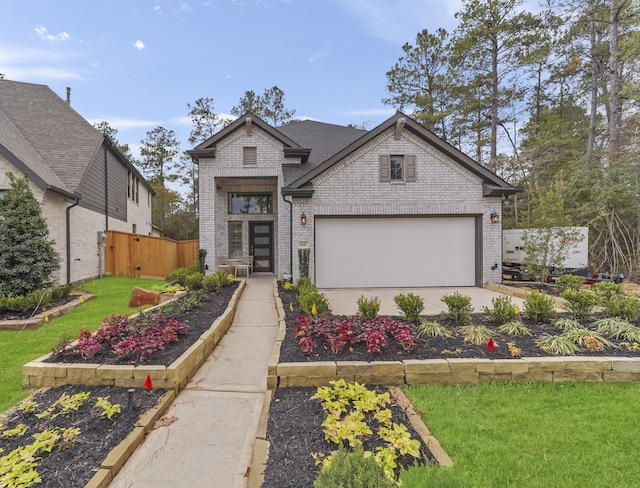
27	256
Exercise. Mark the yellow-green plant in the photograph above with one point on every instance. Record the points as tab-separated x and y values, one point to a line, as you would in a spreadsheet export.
476	334
433	329
106	408
65	405
354	412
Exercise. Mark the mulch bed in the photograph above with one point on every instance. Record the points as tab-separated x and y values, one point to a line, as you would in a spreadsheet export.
73	464
198	320
435	347
27	314
294	431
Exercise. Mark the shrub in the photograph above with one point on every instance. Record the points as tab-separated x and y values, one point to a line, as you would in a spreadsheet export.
27	255
539	307
215	281
503	310
313	297
179	275
368	307
194	281
304	284
626	307
570	282
514	328
410	305
459	308
605	290
30	302
557	344
355	469
476	334
433	329
580	303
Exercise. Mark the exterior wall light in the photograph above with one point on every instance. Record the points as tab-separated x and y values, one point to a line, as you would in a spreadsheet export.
495	218
303	219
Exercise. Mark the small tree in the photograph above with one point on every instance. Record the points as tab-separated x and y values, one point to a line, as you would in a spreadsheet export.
27	256
547	248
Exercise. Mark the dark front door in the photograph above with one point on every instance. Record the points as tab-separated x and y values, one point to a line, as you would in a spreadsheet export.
261	245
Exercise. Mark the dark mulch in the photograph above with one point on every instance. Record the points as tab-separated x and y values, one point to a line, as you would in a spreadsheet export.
199	320
27	314
434	347
294	431
73	464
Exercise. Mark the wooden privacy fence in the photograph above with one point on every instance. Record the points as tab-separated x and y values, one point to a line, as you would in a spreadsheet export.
136	256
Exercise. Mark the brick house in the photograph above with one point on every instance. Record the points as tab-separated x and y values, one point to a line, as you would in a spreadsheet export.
395	206
84	183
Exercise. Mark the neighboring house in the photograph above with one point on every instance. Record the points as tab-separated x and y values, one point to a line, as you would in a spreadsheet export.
395	206
83	182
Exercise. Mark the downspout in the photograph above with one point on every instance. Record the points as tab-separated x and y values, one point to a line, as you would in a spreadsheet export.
68	211
106	190
290	235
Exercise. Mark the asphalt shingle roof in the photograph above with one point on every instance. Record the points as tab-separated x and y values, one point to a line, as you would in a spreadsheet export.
46	134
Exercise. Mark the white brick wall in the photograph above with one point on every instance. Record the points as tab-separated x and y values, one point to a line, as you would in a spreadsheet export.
350	187
85	225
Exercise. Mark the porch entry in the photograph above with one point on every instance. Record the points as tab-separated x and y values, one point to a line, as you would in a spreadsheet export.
261	246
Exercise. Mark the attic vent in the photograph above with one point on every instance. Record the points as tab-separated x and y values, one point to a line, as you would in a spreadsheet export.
249	156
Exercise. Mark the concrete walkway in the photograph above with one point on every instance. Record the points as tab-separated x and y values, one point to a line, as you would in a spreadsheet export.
211	441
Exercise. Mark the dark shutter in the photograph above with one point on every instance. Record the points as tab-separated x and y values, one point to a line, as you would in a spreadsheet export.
385	168
410	174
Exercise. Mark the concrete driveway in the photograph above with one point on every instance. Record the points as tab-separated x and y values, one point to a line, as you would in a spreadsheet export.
343	300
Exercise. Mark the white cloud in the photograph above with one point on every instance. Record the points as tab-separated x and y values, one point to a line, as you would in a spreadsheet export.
158	9
43	32
317	56
139	45
399	21
184	7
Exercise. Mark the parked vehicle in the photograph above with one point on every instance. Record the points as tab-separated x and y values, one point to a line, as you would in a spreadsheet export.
575	261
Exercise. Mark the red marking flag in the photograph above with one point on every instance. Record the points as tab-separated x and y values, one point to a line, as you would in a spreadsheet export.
490	345
147	383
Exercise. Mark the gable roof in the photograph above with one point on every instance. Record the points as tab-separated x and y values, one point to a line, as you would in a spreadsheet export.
207	148
493	185
43	136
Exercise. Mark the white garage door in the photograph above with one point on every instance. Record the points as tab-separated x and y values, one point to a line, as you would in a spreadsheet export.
395	252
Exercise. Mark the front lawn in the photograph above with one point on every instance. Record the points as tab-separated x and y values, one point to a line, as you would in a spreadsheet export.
531	435
19	347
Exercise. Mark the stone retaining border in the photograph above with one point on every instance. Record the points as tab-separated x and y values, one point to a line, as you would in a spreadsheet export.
37	373
37	320
123	451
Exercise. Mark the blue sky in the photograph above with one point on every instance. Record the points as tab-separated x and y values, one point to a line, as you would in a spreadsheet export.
137	63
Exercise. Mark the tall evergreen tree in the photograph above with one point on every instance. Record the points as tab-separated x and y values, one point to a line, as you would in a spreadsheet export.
27	255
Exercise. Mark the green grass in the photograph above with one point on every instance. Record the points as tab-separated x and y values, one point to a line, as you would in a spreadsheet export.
20	347
531	435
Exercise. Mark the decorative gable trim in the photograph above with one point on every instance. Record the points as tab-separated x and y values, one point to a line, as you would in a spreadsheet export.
488	178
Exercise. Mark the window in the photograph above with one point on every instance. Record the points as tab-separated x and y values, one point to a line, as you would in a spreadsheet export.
250	203
397	168
235	240
249	156
132	186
